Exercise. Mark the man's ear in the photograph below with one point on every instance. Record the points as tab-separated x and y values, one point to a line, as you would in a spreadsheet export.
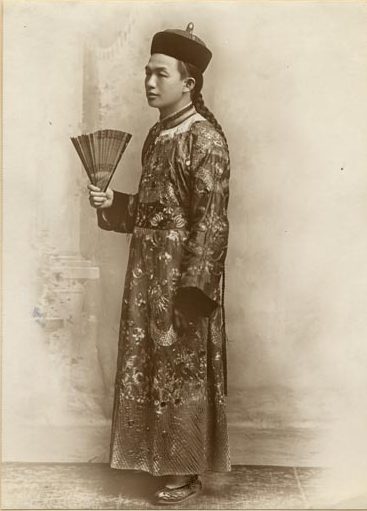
189	84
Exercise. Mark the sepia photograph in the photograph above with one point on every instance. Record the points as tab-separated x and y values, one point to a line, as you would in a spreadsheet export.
184	254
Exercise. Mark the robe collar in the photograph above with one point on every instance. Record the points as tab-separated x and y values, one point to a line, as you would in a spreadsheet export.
170	121
174	119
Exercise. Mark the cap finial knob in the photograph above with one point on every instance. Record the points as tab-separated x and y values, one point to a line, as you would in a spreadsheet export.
190	28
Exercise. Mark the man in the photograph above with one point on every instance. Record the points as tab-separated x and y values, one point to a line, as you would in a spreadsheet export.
169	416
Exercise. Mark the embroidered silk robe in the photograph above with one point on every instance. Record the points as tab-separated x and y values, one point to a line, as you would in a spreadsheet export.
169	412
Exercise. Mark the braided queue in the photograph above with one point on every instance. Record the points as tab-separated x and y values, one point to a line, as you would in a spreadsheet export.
189	70
205	112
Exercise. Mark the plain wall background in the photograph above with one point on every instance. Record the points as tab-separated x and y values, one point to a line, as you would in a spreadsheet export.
288	83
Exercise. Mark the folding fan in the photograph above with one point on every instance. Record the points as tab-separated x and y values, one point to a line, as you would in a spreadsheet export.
100	153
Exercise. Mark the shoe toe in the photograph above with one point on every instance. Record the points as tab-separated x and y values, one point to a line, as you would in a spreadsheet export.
175	495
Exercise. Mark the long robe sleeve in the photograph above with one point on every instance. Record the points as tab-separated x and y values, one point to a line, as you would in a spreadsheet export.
206	247
120	217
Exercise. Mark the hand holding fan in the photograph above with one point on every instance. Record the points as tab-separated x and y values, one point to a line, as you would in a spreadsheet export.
100	153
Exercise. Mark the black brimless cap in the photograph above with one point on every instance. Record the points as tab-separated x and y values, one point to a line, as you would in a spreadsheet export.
182	45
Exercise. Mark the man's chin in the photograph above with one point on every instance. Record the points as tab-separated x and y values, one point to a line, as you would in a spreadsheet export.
153	101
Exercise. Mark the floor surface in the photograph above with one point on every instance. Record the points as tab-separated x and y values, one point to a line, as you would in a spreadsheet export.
97	486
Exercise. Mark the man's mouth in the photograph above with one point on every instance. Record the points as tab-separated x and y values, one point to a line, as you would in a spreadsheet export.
152	95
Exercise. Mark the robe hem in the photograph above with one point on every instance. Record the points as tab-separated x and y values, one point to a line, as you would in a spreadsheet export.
144	468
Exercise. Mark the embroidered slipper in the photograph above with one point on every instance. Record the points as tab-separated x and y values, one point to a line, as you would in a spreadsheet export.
176	495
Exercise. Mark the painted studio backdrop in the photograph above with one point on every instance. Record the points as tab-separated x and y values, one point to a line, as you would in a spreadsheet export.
287	83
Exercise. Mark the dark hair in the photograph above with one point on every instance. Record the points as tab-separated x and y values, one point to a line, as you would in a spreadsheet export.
186	69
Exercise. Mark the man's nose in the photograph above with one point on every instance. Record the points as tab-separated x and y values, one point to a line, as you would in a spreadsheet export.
150	82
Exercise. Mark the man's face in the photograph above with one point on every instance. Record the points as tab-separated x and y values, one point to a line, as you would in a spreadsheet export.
163	84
